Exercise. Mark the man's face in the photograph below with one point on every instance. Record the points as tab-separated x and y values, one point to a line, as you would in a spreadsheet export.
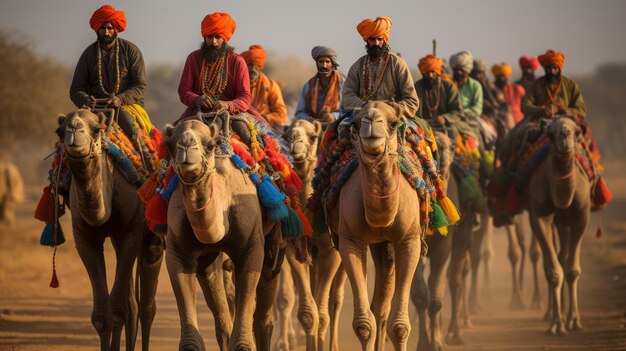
553	73
501	81
430	77
459	74
106	33
528	72
324	65
214	40
253	71
375	46
478	75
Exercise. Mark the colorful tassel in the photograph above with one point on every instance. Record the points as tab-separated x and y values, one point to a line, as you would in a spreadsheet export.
308	230
438	218
319	223
156	210
54	283
293	182
148	189
451	212
602	194
48	238
292	226
513	201
470	192
45	208
268	194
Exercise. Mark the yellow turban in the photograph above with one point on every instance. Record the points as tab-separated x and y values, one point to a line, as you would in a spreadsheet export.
430	63
552	57
375	28
501	70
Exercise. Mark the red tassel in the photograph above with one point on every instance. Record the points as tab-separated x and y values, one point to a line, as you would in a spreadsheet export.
243	153
308	230
54	283
45	208
156	137
293	182
156	211
162	151
147	190
603	195
513	201
599	232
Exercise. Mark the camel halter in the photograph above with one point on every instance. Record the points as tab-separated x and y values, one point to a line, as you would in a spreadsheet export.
391	193
206	171
189	208
95	146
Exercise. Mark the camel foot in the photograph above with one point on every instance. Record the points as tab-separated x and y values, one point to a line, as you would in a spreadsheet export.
466	323
536	304
475	308
454	339
423	344
574	325
547	316
556	330
517	304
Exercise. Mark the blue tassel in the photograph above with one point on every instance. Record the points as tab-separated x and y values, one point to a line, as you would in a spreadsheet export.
47	236
292	226
278	213
268	194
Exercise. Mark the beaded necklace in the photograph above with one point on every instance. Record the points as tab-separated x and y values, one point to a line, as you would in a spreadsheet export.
433	106
214	77
118	70
368	88
552	93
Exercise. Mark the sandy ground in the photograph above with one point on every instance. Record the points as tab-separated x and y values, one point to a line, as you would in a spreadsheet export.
36	317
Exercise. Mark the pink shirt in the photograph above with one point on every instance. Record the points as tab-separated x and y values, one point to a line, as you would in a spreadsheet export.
237	91
513	94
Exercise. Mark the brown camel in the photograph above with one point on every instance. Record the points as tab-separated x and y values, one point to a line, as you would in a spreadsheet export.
11	191
377	206
105	204
325	274
216	209
559	193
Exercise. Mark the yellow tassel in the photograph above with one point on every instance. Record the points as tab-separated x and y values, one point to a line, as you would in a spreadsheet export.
443	231
449	209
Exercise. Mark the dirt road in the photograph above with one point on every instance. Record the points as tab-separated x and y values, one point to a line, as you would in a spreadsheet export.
36	317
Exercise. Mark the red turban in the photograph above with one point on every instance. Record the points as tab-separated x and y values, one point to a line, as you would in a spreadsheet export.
375	28
255	55
108	13
430	63
219	23
528	62
501	70
552	57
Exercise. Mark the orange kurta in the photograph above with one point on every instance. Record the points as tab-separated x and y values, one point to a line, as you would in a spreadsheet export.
267	99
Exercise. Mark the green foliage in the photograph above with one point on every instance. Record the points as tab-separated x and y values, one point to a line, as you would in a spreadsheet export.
33	92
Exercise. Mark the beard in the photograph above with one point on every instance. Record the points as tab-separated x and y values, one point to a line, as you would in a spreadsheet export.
213	53
429	82
324	70
458	77
553	78
104	40
500	83
376	51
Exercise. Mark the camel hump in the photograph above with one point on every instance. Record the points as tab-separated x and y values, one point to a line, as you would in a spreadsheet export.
13	181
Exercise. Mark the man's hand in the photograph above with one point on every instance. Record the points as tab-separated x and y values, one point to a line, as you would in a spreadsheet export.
327	118
547	112
441	120
220	105
92	101
114	101
202	103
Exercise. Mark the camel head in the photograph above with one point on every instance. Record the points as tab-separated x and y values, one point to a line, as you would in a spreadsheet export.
79	132
302	137
564	134
373	127
192	145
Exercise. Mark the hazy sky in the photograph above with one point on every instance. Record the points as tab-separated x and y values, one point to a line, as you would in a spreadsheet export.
588	32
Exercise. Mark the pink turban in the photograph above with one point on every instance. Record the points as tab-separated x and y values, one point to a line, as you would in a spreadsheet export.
528	62
375	28
219	23
108	13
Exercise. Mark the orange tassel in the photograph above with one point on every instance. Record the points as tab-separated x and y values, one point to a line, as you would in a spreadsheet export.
148	189
603	195
308	230
156	137
45	208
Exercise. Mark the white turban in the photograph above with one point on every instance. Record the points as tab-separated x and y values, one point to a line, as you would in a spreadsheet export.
480	65
324	51
463	60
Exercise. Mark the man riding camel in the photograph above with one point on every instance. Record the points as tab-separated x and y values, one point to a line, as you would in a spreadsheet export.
512	92
321	95
112	70
267	99
528	65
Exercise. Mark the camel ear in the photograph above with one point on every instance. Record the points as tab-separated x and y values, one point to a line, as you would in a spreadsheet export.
318	127
214	131
61	118
169	130
102	119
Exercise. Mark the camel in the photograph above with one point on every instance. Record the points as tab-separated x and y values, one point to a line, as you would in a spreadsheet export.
377	206
559	193
11	191
326	275
216	209
105	204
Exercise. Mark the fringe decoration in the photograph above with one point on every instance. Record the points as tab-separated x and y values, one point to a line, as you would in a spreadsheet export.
451	212
45	208
602	194
292	226
48	237
306	226
438	218
470	191
513	201
148	189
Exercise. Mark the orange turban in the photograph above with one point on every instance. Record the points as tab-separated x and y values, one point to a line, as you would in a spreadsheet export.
108	13
528	62
375	28
501	70
255	55
219	23
552	57
430	63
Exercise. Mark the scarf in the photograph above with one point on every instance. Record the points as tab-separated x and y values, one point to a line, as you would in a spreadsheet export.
331	102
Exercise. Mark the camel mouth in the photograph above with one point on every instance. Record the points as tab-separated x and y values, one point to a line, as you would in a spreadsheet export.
299	151
373	146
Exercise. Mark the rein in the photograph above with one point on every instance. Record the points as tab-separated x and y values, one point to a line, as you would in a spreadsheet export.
95	145
568	175
189	208
205	172
390	194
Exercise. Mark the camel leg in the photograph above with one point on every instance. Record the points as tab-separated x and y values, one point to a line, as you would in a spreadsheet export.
577	228
90	250
307	308
542	226
535	253
354	259
229	284
407	255
180	268
336	303
420	298
285	301
384	281
487	255
130	326
521	228
150	260
327	265
464	313
514	257
209	275
126	246
460	244
263	324
483	235
438	258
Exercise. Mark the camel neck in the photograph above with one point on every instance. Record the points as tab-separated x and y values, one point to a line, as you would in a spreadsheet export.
380	191
91	182
203	206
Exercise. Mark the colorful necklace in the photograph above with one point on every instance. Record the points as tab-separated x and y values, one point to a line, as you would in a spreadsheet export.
118	70
368	88
214	77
